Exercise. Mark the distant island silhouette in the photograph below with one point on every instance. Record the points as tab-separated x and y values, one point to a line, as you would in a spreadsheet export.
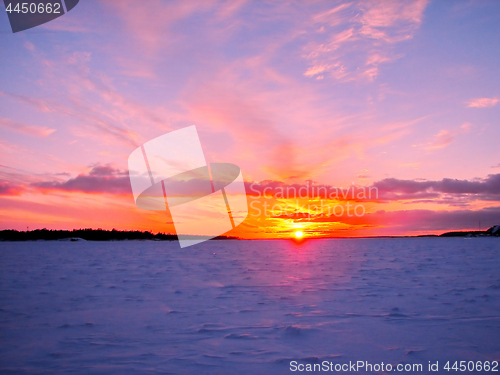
89	234
494	231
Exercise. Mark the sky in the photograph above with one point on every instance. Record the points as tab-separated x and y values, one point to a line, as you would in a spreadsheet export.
399	96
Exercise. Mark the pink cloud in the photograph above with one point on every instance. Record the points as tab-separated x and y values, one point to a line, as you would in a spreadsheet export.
33	130
95	102
482	102
370	28
251	116
446	137
441	140
150	26
90	116
7	188
389	13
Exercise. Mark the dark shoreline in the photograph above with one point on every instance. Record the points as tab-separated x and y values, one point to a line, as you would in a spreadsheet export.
91	235
115	235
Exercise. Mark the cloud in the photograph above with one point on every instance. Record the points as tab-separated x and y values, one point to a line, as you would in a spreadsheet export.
29	46
151	25
37	131
441	140
237	103
315	70
90	113
351	40
395	189
363	176
389	189
101	179
7	188
96	107
379	16
482	102
445	137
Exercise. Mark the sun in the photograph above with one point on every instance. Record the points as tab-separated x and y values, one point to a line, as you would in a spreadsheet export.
299	234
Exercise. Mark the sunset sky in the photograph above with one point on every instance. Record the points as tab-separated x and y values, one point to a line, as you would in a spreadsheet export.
401	96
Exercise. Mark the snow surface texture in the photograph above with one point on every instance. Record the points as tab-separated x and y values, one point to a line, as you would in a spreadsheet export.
245	307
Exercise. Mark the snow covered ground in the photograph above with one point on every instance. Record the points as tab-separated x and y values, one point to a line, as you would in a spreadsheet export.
246	307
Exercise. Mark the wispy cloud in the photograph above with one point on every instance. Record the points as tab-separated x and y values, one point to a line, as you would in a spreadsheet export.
441	140
151	25
351	40
482	102
90	116
446	137
33	130
95	102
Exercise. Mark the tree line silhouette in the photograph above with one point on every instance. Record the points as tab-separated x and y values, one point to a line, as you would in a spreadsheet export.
89	234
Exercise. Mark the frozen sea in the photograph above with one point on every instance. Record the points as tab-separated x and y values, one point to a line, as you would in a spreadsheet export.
246	307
